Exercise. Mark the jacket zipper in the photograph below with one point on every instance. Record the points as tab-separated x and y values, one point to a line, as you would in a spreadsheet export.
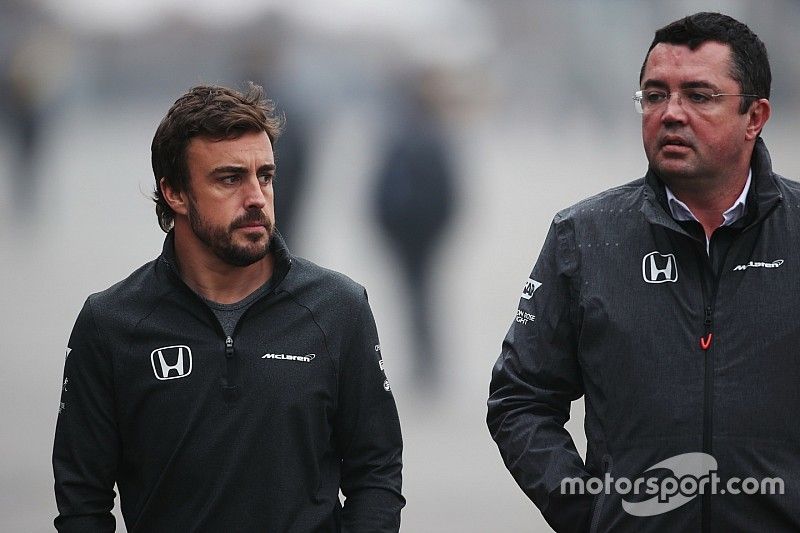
230	387
597	508
230	382
708	408
710	283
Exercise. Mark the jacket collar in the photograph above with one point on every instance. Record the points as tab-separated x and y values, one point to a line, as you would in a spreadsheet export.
762	197
277	247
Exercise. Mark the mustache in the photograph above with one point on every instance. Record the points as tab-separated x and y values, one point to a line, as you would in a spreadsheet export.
255	216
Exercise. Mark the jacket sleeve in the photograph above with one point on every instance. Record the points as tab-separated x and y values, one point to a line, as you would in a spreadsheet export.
533	382
86	448
367	434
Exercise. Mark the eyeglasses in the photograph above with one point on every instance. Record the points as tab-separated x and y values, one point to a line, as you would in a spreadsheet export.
698	100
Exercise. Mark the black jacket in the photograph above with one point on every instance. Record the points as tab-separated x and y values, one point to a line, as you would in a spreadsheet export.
675	351
257	432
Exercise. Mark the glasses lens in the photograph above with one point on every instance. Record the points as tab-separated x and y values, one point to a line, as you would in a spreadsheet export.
637	102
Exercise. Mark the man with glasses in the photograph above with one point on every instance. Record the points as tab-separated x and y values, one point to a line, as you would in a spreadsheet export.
670	303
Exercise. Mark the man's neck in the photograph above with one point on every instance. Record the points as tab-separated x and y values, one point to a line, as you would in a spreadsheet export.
214	279
708	204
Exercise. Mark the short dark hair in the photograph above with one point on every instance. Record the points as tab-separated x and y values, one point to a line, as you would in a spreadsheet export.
205	111
749	61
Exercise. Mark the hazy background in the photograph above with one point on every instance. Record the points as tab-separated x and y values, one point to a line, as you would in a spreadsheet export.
533	99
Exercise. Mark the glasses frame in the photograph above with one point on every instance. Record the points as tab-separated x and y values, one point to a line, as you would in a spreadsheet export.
638	96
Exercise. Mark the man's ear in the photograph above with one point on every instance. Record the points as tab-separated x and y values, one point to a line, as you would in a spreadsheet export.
759	113
177	200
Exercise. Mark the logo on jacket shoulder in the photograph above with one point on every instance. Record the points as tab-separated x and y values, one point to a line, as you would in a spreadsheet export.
759	264
530	287
307	358
171	362
523	317
659	268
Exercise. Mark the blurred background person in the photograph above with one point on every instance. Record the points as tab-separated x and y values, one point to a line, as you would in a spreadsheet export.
34	58
262	62
415	195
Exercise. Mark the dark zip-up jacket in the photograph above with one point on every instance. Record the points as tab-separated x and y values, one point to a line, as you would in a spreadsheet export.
253	432
675	351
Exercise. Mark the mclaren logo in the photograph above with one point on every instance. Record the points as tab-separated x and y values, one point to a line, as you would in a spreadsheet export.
659	268
759	264
307	358
530	287
171	362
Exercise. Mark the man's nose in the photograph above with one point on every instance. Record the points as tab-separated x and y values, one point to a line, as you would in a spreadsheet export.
673	109
254	193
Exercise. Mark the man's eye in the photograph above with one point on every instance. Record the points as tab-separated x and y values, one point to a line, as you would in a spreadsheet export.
655	97
266	178
229	180
697	97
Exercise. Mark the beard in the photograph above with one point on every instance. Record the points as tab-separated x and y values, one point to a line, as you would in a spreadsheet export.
221	239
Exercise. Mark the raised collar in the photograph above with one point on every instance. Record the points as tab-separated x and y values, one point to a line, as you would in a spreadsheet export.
763	195
680	211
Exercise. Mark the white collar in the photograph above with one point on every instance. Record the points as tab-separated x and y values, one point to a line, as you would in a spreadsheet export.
680	211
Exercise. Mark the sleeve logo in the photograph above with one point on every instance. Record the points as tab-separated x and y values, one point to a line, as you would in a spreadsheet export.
530	287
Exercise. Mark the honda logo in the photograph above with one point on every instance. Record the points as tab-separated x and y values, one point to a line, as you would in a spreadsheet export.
530	287
171	362
659	268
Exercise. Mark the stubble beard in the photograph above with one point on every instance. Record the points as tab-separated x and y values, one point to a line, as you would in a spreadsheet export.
221	240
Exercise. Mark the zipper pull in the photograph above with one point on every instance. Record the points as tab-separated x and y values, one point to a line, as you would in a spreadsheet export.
705	342
230	389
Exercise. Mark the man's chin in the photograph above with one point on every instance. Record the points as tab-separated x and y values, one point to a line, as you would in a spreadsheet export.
245	253
242	257
673	169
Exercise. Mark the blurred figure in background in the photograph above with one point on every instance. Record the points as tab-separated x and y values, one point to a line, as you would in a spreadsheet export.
414	200
261	63
34	59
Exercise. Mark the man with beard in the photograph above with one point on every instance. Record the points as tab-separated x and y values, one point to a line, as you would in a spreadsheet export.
670	304
226	385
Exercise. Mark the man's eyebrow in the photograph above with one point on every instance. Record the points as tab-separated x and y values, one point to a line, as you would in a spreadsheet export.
229	169
240	169
654	84
698	84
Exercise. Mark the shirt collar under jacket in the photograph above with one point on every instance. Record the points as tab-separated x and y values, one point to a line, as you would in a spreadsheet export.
680	211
